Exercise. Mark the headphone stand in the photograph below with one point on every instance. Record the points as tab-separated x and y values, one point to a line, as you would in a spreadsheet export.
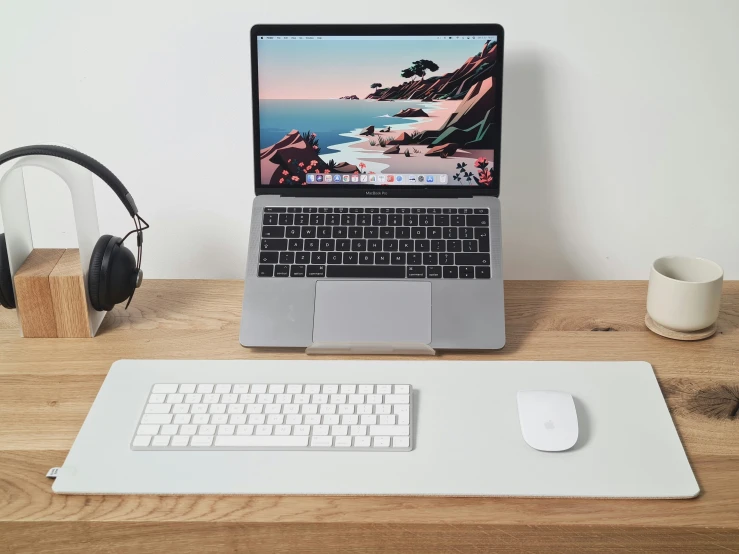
14	209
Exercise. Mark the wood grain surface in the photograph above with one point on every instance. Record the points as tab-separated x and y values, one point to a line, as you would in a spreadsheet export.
33	293
67	284
47	387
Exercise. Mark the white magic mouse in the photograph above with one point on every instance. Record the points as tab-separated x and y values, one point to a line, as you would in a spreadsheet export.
548	419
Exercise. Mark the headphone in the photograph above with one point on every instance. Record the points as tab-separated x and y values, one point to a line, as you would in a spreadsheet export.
114	273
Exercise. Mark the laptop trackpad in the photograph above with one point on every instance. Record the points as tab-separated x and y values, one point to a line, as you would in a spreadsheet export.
372	311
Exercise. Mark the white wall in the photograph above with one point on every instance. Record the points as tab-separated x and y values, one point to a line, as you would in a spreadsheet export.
620	124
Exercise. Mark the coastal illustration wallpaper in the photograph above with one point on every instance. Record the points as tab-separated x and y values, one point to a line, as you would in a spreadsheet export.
361	111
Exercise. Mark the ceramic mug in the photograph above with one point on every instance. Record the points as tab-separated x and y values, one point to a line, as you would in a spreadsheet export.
684	293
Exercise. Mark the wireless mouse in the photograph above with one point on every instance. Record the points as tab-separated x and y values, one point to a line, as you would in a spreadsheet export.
548	419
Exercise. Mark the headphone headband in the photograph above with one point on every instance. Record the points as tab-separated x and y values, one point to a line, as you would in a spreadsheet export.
80	159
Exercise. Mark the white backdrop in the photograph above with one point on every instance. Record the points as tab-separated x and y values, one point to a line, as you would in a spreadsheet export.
620	123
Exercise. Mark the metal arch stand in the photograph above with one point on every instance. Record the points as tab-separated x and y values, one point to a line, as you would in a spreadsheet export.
14	209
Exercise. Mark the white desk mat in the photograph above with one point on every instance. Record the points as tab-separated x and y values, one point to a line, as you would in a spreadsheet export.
467	436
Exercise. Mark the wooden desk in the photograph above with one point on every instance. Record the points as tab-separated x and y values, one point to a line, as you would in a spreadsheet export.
48	385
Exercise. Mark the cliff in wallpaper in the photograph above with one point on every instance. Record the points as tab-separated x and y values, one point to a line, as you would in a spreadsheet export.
451	86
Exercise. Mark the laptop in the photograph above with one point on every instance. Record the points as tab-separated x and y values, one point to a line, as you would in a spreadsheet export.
377	174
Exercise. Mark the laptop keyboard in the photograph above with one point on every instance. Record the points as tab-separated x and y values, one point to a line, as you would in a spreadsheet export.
386	243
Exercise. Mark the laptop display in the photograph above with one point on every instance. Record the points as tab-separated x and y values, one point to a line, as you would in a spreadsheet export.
377	110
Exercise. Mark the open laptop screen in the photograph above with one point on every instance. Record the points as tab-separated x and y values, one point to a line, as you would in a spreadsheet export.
377	110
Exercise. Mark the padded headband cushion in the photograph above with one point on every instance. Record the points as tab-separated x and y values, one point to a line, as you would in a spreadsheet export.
96	263
7	298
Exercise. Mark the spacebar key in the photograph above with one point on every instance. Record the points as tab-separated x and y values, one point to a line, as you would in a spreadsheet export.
367	271
274	441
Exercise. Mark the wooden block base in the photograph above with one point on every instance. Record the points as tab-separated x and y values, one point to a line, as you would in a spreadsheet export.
33	293
50	295
67	284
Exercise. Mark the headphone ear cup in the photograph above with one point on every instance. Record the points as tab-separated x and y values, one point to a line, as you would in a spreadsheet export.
112	275
93	275
7	298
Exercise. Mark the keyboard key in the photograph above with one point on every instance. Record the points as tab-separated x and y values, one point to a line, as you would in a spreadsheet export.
282	271
268	257
311	244
438	245
466	233
449	210
406	246
469	245
403	210
359	245
274	244
318	258
316	271
351	257
334	258
381	442
325	210
454	245
433	210
310	210
418	210
308	232
301	219
410	220
355	232
423	245
466	272
366	258
465	210
266	270
366	271
416	272
321	441
390	245
372	210
294	210
371	232
286	219
430	259
287	257
426	220
333	219
343	245
387	232
302	257
272	441
147	430
387	210
472	259
418	233
446	258
433	272
415	258
378	220
477	220
397	258
317	219
433	233
295	244
395	220
482	272
449	232
382	258
364	219
273	232
341	210
481	211
450	272
374	245
356	210
270	219
441	220
458	220
328	245
297	271
402	232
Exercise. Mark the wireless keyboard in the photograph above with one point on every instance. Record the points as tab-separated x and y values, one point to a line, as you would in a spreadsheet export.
258	416
386	243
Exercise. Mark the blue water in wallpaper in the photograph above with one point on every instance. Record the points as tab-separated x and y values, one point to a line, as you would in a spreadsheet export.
327	118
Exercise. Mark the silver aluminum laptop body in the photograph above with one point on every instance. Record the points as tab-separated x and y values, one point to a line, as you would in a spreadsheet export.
436	312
